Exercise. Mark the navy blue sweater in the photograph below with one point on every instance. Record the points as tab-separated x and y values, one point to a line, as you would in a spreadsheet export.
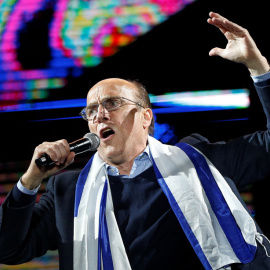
151	233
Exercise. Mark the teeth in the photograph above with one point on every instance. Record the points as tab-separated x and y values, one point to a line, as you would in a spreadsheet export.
105	130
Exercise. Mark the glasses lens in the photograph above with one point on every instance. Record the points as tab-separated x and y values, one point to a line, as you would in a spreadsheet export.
111	103
91	111
83	114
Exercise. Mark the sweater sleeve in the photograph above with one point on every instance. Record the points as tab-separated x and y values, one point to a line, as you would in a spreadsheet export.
246	159
27	229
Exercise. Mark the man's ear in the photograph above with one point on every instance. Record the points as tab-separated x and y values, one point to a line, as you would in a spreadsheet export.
147	117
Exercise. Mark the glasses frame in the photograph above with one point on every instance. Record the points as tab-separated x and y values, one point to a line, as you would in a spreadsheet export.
83	114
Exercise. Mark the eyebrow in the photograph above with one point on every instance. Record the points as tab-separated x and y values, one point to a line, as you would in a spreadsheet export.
103	98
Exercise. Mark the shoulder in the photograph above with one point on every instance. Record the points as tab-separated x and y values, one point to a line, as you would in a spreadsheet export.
194	139
214	151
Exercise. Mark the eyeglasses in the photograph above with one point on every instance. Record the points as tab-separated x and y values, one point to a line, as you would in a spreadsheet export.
110	104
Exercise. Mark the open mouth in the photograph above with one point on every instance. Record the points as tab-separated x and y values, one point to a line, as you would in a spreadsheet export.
106	133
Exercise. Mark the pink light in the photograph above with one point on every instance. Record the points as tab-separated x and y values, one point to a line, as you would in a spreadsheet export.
14	65
8	47
168	7
56	40
118	10
9	56
33	74
13	26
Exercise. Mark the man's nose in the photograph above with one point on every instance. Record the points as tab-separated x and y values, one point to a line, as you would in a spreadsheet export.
100	113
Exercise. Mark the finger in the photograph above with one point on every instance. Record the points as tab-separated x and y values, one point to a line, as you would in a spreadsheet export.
57	151
216	52
70	158
216	15
226	24
45	147
218	25
68	161
54	153
63	148
218	19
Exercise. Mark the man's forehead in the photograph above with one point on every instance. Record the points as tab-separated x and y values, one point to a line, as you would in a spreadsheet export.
110	87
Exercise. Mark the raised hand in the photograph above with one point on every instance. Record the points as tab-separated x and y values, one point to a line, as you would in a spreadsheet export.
240	48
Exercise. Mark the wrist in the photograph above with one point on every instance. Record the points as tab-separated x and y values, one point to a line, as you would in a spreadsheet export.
259	67
30	183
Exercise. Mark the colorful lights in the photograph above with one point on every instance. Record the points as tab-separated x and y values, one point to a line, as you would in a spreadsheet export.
201	101
42	42
168	103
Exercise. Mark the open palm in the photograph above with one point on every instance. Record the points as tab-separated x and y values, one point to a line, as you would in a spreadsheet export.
240	47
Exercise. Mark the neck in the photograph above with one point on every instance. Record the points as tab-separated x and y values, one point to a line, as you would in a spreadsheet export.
125	169
124	165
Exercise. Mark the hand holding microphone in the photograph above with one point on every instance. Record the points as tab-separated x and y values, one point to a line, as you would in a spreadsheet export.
59	153
90	142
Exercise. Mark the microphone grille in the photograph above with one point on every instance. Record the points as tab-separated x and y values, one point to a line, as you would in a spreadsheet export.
94	139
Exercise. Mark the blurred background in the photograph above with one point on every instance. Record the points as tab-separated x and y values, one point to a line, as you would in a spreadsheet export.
53	51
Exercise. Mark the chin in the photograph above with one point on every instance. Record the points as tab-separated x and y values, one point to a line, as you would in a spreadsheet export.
109	153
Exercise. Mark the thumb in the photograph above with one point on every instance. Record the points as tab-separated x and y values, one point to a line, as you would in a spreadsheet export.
69	160
216	52
71	157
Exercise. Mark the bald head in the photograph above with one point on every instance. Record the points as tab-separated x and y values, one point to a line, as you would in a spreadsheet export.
113	81
133	89
117	85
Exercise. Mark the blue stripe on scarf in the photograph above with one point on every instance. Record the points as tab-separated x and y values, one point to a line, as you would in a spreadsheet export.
181	218
243	250
80	185
104	249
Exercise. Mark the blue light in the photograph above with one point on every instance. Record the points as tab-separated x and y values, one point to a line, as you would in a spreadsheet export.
229	120
56	119
196	101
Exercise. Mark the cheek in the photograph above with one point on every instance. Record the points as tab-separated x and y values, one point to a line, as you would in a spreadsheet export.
92	128
132	123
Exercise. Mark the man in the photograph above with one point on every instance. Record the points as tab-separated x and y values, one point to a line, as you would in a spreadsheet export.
124	210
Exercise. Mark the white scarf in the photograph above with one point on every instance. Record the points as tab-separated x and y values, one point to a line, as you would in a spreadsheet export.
215	222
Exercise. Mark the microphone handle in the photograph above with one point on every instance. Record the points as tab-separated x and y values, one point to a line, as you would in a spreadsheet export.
79	146
44	160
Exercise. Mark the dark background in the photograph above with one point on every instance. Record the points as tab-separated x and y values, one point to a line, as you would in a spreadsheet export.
172	57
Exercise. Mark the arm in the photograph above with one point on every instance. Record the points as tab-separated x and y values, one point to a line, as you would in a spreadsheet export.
246	159
28	230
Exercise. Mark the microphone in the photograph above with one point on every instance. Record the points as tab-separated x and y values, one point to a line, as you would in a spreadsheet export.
89	142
